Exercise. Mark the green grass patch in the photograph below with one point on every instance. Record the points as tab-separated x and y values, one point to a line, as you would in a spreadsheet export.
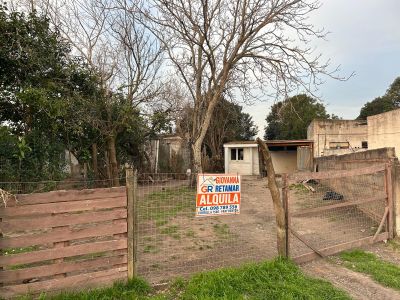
222	230
11	251
394	244
190	233
381	271
299	188
164	205
150	249
276	279
134	289
172	231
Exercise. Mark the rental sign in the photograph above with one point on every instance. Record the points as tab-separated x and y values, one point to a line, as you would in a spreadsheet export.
217	194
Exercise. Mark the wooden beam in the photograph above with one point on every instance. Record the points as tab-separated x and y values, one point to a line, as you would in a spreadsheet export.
340	247
305	242
338	205
297	177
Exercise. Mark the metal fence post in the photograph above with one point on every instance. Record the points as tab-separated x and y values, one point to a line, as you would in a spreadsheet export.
131	192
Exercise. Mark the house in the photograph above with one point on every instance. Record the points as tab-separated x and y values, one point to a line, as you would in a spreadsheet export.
242	157
335	137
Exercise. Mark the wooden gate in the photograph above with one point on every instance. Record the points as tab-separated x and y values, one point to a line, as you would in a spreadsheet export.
328	212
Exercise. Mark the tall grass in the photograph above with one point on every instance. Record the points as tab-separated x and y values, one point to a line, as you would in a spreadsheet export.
276	279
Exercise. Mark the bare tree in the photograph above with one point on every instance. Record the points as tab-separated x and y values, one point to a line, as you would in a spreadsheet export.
238	47
121	51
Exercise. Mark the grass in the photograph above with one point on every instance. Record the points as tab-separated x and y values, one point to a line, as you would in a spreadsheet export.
276	279
172	231
166	204
299	188
222	230
11	251
150	249
381	271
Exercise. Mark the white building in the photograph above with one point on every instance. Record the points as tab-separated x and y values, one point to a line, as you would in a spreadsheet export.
243	157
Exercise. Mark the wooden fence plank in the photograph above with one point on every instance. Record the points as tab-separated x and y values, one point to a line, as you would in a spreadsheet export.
65	267
70	195
338	205
70	219
296	177
80	280
62	207
47	254
341	247
63	234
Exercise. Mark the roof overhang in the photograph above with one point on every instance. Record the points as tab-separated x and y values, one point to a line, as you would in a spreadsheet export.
244	144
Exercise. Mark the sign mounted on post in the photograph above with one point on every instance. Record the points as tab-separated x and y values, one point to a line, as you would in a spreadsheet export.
217	194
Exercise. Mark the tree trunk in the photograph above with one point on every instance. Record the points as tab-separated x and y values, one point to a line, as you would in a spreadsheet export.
196	149
276	199
113	160
94	161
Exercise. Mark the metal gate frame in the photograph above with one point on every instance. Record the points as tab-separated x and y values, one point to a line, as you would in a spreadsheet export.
387	217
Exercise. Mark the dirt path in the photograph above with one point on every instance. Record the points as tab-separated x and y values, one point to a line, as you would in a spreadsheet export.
356	284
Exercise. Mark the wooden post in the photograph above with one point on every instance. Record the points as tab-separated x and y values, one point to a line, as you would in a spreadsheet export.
131	192
389	190
285	202
276	198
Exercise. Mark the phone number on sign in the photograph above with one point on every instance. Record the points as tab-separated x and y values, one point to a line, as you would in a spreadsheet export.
219	209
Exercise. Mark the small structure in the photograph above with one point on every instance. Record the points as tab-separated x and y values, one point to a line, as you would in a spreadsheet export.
336	137
168	153
243	157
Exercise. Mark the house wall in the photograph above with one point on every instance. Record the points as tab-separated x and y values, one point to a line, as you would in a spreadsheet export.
323	132
242	167
256	161
384	130
284	161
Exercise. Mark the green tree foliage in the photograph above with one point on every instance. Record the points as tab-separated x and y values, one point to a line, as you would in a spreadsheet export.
388	102
289	119
37	80
229	123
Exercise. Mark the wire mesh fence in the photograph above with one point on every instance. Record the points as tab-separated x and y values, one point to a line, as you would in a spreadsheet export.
324	211
172	241
337	210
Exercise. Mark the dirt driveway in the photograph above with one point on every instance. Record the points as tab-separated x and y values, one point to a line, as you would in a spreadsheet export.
358	285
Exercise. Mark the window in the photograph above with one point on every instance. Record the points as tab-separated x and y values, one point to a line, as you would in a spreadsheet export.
339	145
237	154
364	144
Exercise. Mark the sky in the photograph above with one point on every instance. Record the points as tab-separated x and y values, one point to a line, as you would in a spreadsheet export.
364	38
